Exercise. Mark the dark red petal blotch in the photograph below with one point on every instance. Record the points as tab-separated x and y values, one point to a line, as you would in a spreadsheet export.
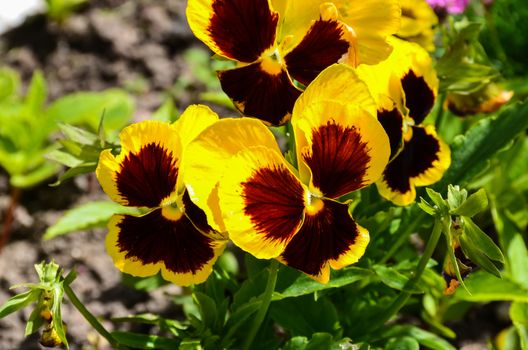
243	29
338	160
322	46
419	98
152	238
268	97
274	200
324	236
392	122
416	157
147	177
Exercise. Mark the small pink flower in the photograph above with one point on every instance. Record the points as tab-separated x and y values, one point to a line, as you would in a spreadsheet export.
450	6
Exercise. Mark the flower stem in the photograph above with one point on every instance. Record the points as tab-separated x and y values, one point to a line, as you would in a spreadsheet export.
400	301
440	111
266	300
91	318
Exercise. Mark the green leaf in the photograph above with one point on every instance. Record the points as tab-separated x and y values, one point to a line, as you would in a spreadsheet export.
482	241
317	342
34	177
18	302
394	279
470	153
427	339
84	168
207	308
167	112
9	83
36	95
402	343
78	135
426	207
519	317
485	287
470	249
305	285
88	107
475	203
89	215
518	256
145	341
455	196
64	158
305	316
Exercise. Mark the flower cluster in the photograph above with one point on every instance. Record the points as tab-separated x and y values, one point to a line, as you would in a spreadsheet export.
356	99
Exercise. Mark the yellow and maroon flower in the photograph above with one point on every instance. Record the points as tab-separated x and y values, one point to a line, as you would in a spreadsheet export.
173	236
291	41
274	211
405	87
418	22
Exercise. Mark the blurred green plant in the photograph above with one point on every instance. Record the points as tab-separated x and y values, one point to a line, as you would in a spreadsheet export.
59	10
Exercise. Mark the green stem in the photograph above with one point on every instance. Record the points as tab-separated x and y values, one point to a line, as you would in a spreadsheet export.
410	228
91	318
266	300
400	301
440	111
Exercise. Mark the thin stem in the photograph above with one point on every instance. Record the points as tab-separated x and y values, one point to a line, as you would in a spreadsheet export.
410	228
266	300
440	111
91	318
400	301
10	215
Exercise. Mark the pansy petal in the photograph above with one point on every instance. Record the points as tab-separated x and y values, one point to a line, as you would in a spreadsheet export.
206	157
339	83
423	161
237	29
194	120
326	42
144	174
417	22
346	148
329	238
391	119
143	246
259	92
262	201
407	77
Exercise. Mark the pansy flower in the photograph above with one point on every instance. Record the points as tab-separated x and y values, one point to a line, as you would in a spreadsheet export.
405	87
173	236
291	41
272	210
418	21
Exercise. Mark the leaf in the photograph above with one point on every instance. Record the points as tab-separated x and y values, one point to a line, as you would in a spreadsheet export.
145	341
9	83
34	177
304	285
519	317
427	339
518	255
78	135
485	287
470	153
88	107
166	112
36	94
394	279
89	215
18	302
473	205
471	250
482	241
318	341
207	307
402	343
84	168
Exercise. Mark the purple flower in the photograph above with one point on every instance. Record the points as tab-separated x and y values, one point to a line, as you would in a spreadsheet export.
449	6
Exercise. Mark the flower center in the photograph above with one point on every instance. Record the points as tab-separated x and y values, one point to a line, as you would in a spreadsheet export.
271	62
314	203
173	210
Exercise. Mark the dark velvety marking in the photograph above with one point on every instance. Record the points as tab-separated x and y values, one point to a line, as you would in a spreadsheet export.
147	177
416	157
322	237
195	214
153	238
322	46
274	201
243	29
259	94
419	97
408	12
392	122
339	159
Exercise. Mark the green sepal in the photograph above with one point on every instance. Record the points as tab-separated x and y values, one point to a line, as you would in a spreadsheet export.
482	241
19	301
473	205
